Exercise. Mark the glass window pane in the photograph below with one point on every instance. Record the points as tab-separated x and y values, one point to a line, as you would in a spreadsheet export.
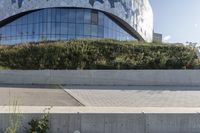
53	28
100	31
110	33
57	37
24	29
79	16
36	29
30	38
41	16
13	30
87	30
94	30
64	28
36	17
24	19
72	15
106	32
53	15
79	29
49	15
70	37
41	28
106	21
64	15
94	17
19	30
44	31
7	31
48	28
36	38
79	37
45	15
63	37
58	15
71	29
30	18
101	18
58	28
87	16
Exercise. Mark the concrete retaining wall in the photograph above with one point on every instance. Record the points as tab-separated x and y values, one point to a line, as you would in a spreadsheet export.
115	123
102	77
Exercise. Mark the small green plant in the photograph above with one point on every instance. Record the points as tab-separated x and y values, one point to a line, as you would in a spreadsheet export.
40	125
14	119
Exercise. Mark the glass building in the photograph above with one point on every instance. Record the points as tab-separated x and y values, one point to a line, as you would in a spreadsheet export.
61	24
23	21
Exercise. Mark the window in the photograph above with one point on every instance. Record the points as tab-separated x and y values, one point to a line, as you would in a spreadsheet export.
71	29
53	28
44	28
87	30
87	16
64	15
30	18
36	16
64	28
49	15
25	29
100	31
94	30
79	16
48	30
24	19
101	19
58	15
19	30
72	16
79	29
61	24
57	28
94	17
53	15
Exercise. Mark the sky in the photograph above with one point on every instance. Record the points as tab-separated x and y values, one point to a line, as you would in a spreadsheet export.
177	20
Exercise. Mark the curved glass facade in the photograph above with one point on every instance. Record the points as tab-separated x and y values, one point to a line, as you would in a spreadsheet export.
61	24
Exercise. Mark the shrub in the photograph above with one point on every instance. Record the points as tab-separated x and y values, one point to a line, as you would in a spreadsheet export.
97	54
40	125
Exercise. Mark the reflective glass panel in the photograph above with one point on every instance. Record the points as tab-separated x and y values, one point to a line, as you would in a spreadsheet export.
61	24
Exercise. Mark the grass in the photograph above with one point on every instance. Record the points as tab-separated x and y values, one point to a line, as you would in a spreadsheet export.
4	68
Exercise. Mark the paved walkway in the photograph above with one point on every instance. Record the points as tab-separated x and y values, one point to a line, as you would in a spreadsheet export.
101	96
35	95
136	96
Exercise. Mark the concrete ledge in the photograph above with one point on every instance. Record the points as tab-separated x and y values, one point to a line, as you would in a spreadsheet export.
111	120
102	77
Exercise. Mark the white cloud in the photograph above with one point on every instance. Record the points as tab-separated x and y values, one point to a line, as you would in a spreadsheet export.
167	38
196	25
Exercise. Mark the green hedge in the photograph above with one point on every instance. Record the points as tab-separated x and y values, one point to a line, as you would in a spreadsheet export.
99	54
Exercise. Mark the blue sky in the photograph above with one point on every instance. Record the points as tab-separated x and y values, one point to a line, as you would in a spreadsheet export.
177	20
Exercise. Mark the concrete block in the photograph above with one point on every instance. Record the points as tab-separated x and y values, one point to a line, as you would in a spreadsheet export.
92	123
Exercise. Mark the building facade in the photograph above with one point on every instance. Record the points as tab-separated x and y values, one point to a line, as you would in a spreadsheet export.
24	21
157	37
